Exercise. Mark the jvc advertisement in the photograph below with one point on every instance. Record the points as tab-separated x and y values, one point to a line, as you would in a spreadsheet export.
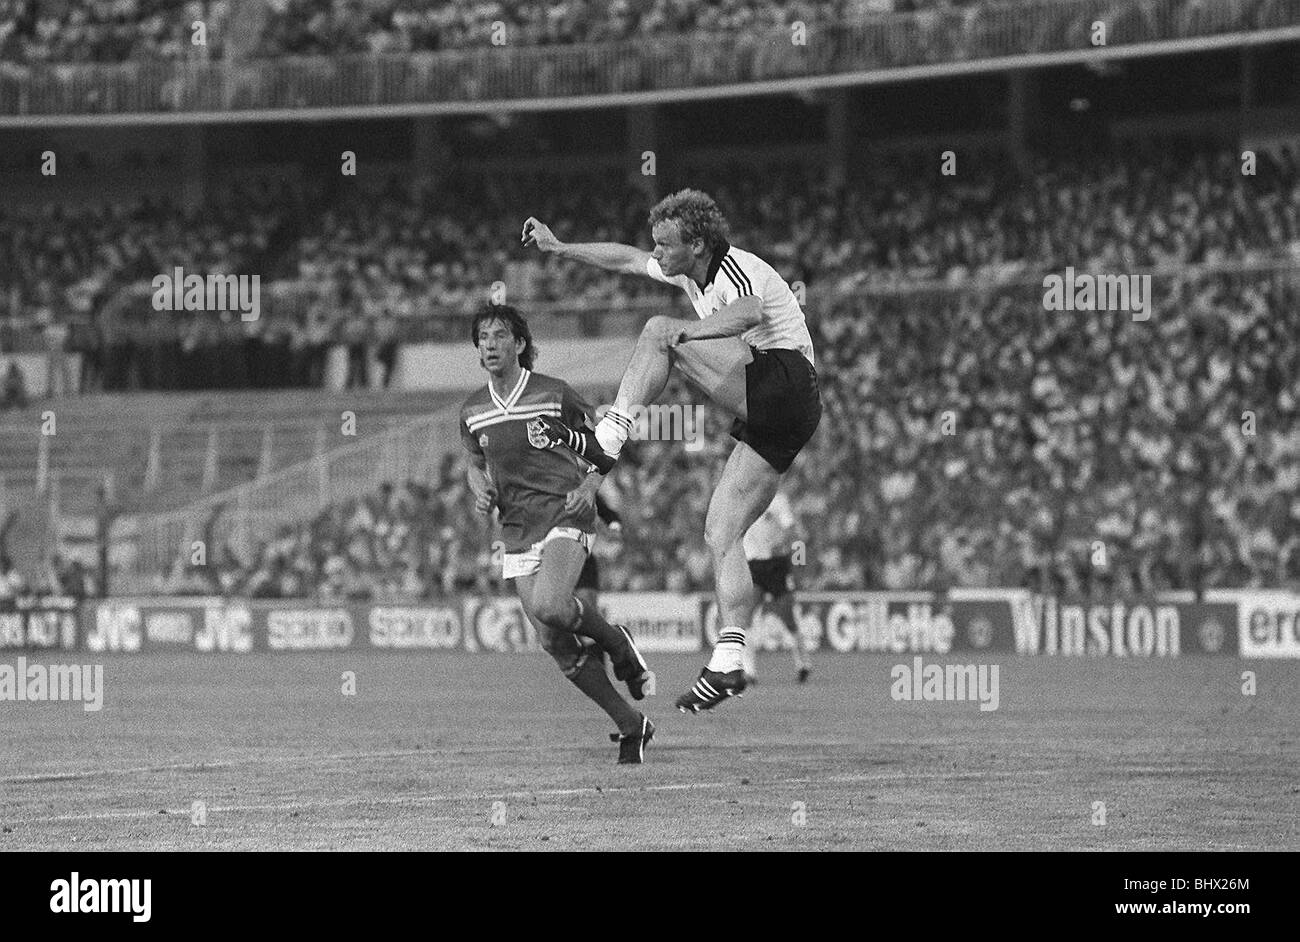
1247	623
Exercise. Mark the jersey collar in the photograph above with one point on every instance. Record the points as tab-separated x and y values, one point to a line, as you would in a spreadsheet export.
715	262
505	405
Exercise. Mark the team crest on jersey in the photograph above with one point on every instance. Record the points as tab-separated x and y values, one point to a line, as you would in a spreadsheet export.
483	440
536	437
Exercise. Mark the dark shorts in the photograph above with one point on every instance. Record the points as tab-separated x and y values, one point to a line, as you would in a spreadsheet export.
589	578
771	576
784	404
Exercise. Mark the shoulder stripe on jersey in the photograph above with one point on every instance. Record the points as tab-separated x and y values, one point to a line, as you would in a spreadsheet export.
528	407
512	417
545	408
738	277
482	414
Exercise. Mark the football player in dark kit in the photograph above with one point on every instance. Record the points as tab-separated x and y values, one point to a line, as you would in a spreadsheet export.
546	498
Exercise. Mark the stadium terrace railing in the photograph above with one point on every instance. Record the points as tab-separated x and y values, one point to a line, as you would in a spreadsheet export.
1026	32
244	516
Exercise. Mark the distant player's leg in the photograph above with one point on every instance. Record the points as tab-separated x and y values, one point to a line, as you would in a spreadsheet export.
783	608
746	488
772	578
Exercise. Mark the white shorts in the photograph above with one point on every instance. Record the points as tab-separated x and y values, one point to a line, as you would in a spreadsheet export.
529	561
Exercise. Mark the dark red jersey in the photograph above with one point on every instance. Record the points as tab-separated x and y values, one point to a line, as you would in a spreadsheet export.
531	482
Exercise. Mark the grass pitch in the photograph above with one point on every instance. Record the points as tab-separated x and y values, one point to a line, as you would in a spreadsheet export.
499	752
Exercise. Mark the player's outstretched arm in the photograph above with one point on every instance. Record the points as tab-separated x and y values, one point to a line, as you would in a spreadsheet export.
610	256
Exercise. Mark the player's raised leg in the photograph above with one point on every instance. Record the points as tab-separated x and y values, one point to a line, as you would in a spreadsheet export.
716	367
746	488
644	378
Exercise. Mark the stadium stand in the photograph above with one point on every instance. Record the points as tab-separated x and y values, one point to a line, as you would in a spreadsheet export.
1044	406
922	296
109	31
1015	380
429	255
133	30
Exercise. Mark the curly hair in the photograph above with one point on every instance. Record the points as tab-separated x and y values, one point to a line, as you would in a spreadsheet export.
697	216
514	320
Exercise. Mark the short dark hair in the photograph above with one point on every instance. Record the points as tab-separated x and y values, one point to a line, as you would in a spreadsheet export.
511	317
697	215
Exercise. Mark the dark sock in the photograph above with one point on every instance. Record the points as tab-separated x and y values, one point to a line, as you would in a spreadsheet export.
592	680
592	625
585	445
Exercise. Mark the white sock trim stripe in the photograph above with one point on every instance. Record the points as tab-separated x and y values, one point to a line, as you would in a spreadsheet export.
618	417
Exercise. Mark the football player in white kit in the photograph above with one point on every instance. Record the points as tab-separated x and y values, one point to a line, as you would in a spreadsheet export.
749	352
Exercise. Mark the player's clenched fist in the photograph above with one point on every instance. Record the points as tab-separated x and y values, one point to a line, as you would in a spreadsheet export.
485	498
539	234
665	333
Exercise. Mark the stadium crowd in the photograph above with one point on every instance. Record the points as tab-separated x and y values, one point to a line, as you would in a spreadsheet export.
81	31
971	438
74	31
379	268
1067	432
962	446
327	27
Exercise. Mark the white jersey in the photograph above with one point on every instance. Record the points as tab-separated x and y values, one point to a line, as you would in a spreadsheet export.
766	538
734	273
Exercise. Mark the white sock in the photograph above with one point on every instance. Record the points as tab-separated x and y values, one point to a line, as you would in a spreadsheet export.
728	652
612	430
